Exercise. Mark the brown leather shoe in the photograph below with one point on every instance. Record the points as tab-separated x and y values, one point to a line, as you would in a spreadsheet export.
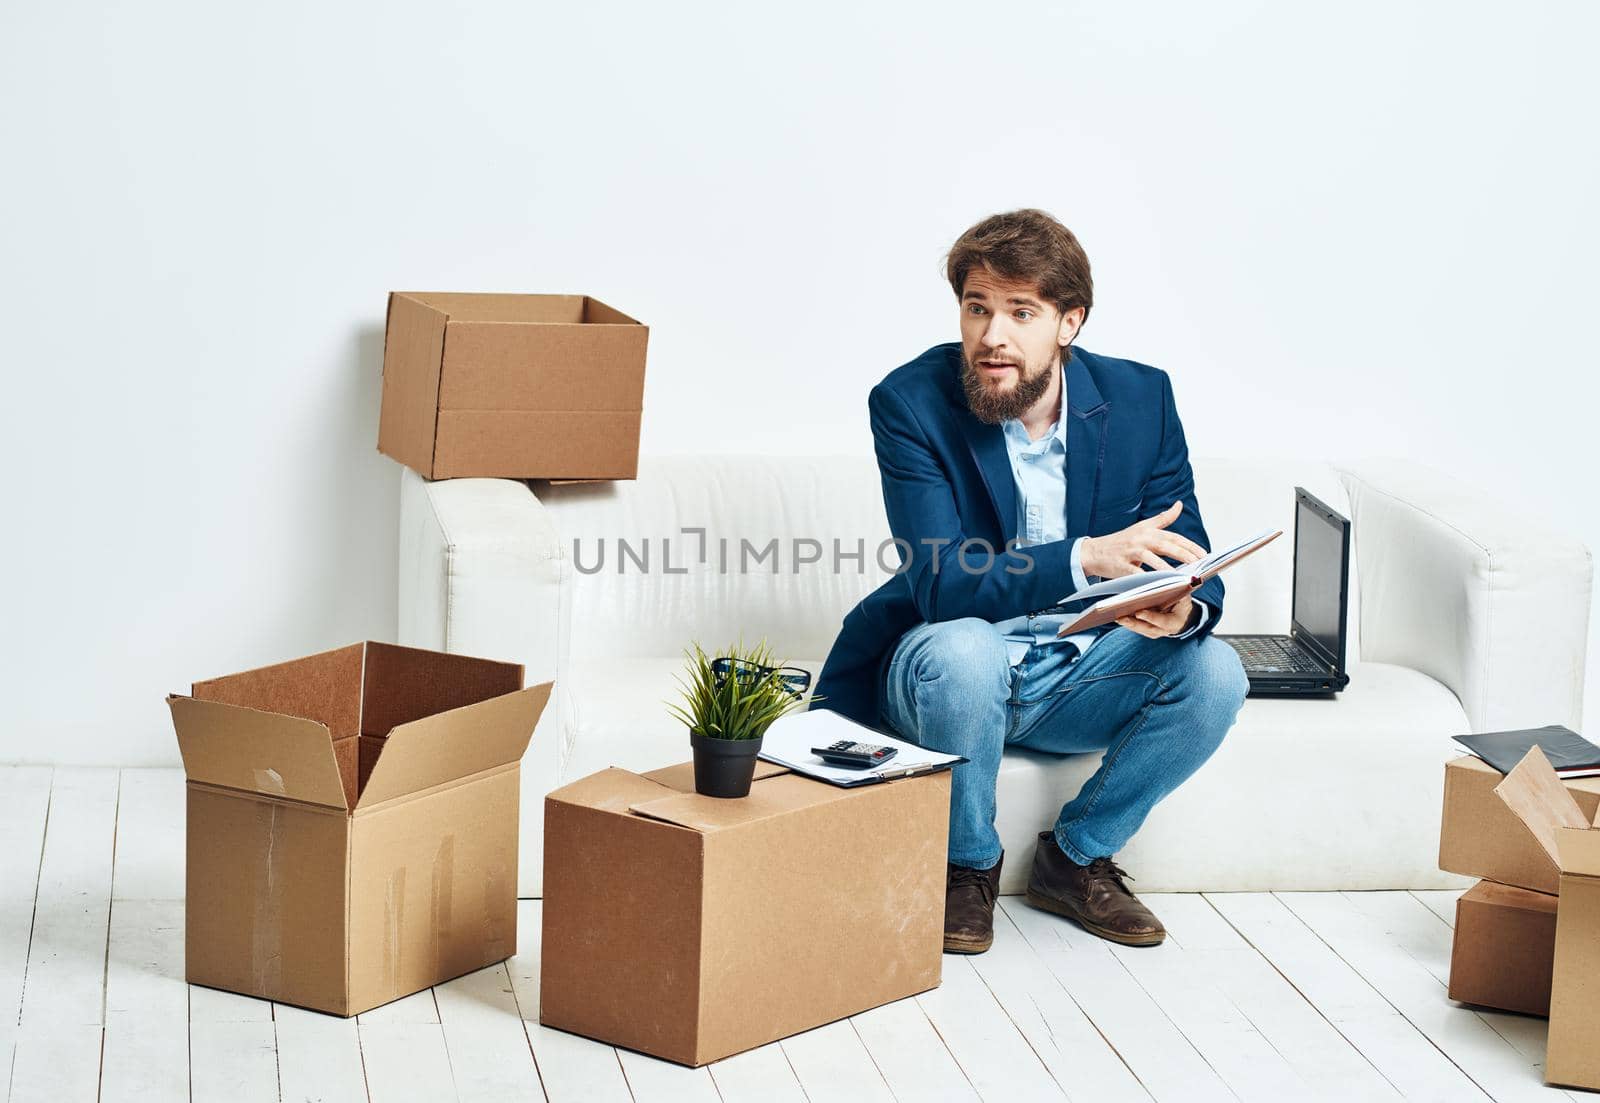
969	908
1093	895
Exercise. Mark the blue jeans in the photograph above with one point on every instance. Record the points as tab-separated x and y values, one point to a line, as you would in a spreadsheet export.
1157	708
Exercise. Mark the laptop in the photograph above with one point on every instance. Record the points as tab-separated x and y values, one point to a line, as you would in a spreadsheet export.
1309	661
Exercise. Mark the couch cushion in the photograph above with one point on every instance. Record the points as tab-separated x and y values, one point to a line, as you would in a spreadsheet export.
1311	794
1325	794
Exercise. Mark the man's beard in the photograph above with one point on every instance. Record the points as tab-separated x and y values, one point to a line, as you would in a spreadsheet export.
993	406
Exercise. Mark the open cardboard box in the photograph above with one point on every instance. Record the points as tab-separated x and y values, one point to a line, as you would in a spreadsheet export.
1570	843
692	927
1480	837
511	386
352	823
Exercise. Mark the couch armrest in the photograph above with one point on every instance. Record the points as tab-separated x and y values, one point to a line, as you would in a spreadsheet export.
1489	602
480	572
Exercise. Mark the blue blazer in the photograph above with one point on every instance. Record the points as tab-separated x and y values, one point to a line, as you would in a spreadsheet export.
947	476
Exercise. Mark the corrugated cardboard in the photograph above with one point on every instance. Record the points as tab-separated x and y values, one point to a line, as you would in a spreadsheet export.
512	386
692	928
1572	840
1480	837
1505	941
352	823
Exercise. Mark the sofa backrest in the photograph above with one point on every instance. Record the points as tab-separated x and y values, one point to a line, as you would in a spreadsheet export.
790	544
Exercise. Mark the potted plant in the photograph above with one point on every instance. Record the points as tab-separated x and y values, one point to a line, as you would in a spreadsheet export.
728	704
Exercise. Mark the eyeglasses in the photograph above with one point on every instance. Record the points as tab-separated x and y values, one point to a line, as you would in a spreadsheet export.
1048	610
795	680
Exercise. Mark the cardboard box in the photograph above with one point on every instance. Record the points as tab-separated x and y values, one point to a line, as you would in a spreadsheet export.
1570	841
692	928
352	823
511	386
1479	836
1505	942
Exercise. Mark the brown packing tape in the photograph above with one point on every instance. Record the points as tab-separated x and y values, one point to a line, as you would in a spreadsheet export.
266	936
269	782
440	896
394	913
499	942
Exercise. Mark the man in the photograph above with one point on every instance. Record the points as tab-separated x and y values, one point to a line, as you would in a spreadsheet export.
1016	469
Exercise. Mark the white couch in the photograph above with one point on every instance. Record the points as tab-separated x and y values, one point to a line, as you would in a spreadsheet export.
1464	617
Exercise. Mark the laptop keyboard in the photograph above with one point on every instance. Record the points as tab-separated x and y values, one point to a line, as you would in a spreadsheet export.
1273	655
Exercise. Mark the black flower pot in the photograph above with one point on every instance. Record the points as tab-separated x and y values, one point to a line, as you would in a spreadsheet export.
723	767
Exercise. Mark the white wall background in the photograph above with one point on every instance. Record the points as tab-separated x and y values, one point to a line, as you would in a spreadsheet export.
1345	229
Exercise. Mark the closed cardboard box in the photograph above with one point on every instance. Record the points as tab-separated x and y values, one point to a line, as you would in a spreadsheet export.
352	823
692	927
1570	840
1480	837
1505	941
511	386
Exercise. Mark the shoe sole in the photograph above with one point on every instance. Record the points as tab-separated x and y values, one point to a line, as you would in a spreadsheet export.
954	947
1056	907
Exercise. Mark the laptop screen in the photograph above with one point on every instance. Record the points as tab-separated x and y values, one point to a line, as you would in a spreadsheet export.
1319	577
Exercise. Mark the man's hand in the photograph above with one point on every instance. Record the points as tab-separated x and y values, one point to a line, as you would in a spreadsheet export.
1139	545
1156	622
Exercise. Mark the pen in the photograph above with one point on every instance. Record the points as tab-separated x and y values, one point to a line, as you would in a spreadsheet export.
909	771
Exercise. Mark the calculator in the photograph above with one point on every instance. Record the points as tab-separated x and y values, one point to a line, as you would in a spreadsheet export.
855	756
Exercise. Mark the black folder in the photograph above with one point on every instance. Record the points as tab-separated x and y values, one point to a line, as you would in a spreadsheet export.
1566	749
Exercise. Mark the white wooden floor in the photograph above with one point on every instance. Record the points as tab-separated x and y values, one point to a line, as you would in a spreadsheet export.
1254	996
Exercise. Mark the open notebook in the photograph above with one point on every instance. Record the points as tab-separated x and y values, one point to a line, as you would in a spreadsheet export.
1116	597
788	742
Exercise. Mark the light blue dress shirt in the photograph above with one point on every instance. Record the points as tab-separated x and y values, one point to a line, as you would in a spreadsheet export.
1039	468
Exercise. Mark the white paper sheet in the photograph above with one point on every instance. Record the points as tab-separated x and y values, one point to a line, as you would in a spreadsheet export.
788	742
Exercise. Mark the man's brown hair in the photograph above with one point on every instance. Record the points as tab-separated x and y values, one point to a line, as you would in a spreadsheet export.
1026	245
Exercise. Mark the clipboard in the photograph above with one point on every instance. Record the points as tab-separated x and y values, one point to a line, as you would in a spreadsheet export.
788	742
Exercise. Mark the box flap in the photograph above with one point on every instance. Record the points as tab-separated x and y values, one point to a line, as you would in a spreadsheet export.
1494	894
610	790
455	744
596	312
325	687
504	306
262	752
408	683
413	356
1535	794
1580	851
773	796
